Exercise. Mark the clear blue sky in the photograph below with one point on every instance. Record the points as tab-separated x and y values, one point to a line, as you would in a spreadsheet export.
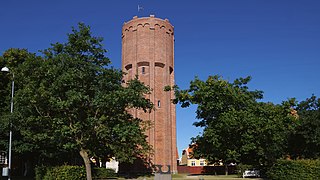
276	42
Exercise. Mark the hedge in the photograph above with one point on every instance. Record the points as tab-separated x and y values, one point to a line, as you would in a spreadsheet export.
71	173
295	170
103	173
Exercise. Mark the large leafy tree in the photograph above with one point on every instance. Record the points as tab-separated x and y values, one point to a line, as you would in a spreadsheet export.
305	140
236	126
4	108
11	59
69	100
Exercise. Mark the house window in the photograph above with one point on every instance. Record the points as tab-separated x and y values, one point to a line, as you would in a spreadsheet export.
143	70
159	103
201	163
193	163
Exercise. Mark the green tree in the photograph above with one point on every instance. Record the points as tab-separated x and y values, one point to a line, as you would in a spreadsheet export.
4	107
305	141
236	127
11	58
69	100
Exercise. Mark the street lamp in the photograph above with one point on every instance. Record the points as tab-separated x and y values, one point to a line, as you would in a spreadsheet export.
5	69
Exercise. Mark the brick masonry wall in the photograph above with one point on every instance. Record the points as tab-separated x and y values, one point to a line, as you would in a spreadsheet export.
148	51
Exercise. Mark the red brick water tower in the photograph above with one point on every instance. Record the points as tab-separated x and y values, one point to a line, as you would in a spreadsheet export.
148	51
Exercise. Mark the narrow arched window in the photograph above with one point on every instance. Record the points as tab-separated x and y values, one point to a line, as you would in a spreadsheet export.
143	70
159	103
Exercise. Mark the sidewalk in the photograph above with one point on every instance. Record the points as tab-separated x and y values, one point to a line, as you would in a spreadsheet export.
217	177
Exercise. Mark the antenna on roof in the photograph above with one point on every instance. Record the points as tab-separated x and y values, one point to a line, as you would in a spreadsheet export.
140	8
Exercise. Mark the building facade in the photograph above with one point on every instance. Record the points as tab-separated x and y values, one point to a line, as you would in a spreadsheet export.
148	51
187	159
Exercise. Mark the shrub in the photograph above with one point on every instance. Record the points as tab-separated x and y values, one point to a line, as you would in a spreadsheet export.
71	173
295	170
61	173
40	172
103	173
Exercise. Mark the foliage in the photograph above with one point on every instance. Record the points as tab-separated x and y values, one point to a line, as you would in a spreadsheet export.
70	101
305	140
295	169
40	172
11	58
61	173
4	94
70	172
236	127
103	173
242	167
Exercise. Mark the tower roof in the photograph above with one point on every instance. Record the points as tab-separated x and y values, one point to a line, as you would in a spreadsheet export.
152	21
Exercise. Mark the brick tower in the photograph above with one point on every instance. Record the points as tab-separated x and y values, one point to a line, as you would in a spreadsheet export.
148	51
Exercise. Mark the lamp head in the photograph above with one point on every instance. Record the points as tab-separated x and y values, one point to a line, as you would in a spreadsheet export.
5	69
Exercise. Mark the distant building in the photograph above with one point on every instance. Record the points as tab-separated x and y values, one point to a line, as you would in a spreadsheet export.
188	160
197	162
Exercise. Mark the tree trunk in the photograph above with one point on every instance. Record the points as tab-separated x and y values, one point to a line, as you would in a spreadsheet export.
84	155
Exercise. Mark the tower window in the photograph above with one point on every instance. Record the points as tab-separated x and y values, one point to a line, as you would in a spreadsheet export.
129	66
159	103
143	70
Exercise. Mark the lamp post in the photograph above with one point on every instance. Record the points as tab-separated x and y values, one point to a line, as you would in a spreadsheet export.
5	69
